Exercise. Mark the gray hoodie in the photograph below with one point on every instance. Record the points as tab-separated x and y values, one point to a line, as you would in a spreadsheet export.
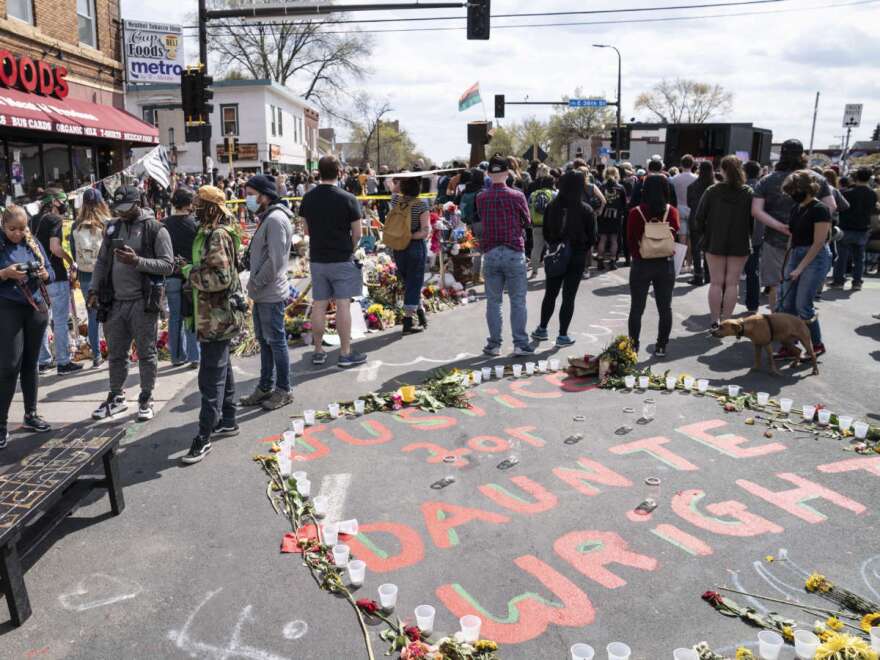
269	254
128	279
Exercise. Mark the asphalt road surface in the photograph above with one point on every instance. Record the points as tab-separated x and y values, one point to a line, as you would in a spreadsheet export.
548	552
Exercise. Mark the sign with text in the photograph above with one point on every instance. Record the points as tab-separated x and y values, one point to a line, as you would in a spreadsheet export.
245	152
587	103
274	152
852	115
153	52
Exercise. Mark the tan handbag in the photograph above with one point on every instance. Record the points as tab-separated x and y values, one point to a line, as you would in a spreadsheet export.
657	241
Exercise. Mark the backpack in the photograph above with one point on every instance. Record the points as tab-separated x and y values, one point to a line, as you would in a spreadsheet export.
397	233
657	241
468	207
538	205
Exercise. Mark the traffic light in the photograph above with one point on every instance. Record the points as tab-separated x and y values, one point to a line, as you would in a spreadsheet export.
499	106
624	138
195	94
478	19
197	132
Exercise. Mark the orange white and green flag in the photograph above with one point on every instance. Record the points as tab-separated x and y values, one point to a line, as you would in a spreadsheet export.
470	97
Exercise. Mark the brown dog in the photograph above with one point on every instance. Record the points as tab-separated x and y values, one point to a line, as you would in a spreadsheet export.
764	329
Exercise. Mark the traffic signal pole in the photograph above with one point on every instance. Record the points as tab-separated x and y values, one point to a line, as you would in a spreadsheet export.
203	59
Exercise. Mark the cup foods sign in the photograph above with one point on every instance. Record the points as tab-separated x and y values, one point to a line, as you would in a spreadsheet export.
153	52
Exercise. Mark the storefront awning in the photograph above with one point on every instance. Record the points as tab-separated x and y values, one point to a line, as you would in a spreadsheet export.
72	117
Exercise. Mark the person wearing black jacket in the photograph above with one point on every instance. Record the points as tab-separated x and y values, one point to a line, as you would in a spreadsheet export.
182	227
571	219
705	179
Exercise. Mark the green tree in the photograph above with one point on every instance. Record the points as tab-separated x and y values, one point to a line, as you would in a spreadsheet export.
685	101
570	124
504	140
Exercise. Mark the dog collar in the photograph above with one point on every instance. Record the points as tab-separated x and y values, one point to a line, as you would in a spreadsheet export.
739	333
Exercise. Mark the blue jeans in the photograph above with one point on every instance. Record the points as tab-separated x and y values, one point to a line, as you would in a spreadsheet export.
274	359
798	296
503	268
59	295
411	268
182	343
85	283
853	243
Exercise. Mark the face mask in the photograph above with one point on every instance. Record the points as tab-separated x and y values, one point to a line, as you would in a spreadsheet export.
251	203
799	196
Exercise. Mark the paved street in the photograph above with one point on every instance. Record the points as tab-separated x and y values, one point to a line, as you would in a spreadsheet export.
547	552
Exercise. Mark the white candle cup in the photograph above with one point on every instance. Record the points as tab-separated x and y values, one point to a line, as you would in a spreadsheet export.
299	475
470	627
629	382
530	368
582	652
618	651
517	370
299	426
304	486
644	382
359	407
388	596
824	417
649	410
309	417
688	383
875	638
333	409
685	654
331	534
499	371
809	412
554	365
340	555
844	422
542	366
357	571
464	300
425	618
703	385
733	390
349	527
785	405
320	503
769	644
477	377
670	383
805	644
861	430
763	398
487	373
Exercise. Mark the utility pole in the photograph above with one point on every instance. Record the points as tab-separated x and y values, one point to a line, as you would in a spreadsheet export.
813	131
618	140
203	59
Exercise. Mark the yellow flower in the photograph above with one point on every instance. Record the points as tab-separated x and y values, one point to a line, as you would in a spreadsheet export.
840	646
375	308
834	623
486	645
817	582
742	653
869	621
769	558
275	448
622	346
788	633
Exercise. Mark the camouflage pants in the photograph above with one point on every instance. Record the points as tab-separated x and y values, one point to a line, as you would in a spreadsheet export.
129	322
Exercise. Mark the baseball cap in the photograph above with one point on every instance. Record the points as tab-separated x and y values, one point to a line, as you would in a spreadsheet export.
792	147
484	165
124	198
498	164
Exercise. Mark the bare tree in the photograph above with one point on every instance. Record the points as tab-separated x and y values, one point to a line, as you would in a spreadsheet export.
685	101
370	112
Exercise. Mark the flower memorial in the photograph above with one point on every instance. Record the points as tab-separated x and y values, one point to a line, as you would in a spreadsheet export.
616	361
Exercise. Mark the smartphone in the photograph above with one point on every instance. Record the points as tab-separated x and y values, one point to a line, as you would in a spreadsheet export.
118	243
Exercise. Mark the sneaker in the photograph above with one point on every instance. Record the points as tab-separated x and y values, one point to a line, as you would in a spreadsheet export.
145	408
697	281
491	350
69	368
600	265
660	351
856	286
255	398
193	365
353	359
278	399
533	274
524	351
225	430
97	362
44	368
33	422
112	406
612	265
540	334
319	358
586	273
836	285
4	438
819	349
178	364
197	451
564	340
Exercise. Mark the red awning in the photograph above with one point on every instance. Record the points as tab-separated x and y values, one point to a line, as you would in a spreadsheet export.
72	117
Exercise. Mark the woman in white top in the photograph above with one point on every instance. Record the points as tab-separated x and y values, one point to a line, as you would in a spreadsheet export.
86	239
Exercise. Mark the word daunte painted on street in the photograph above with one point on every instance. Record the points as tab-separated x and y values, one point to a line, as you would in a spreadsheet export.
697	526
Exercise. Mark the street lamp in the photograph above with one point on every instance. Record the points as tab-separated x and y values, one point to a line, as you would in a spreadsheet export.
617	146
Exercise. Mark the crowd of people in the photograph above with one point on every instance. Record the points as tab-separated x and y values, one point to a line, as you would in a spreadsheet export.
179	251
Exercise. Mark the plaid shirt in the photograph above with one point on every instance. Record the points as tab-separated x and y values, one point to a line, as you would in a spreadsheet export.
504	213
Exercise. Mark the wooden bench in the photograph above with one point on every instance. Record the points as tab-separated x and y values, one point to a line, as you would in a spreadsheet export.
47	485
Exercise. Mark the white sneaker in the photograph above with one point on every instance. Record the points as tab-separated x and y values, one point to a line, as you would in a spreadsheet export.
145	410
112	406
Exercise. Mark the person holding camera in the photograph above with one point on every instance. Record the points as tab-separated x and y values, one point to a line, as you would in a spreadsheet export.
24	315
219	311
127	287
182	228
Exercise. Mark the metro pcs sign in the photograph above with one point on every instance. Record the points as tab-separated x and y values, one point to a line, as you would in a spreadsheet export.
33	77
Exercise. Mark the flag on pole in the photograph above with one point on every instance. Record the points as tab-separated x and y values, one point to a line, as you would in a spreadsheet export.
158	166
470	97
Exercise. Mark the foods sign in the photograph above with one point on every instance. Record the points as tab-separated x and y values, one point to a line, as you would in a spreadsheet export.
153	52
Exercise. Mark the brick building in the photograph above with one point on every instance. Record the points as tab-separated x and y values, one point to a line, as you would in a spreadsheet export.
62	117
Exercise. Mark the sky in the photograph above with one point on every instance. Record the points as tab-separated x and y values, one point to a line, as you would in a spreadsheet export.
774	59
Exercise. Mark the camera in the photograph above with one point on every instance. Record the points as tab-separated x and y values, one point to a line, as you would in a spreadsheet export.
238	303
31	268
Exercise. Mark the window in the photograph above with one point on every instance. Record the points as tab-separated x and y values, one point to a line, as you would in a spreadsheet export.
23	10
150	114
280	125
85	18
272	108
229	115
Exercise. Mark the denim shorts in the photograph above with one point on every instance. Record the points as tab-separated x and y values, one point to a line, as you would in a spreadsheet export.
336	281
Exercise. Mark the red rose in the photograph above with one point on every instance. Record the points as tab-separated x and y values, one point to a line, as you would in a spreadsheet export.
368	606
713	598
413	633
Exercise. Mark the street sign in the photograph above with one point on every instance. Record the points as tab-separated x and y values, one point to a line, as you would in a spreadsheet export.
852	115
604	151
588	103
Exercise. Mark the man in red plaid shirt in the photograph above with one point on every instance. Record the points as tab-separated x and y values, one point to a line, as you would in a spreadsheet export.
504	214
